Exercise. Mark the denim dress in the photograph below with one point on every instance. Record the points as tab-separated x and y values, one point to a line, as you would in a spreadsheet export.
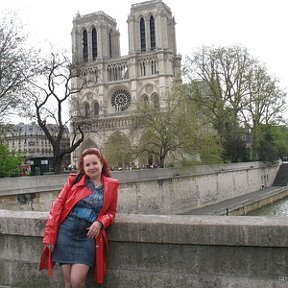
73	246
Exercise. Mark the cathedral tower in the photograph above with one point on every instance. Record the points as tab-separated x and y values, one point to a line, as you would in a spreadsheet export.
116	84
94	37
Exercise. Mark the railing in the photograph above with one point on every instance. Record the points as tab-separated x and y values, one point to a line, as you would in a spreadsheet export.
112	121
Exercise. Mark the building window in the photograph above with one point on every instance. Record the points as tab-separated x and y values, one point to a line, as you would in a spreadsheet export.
142	35
121	100
117	71
156	104
86	108
152	33
96	108
94	44
142	66
85	46
146	102
110	44
153	67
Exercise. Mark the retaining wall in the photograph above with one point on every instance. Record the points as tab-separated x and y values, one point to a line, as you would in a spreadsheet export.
150	191
160	251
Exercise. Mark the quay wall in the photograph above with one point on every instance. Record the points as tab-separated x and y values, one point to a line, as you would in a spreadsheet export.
151	191
160	251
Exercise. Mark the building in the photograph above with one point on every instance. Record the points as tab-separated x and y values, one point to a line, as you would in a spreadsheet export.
116	84
30	141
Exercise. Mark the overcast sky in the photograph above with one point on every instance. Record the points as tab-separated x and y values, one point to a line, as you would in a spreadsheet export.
259	25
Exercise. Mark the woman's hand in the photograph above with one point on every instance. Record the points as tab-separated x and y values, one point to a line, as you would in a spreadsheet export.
94	229
49	246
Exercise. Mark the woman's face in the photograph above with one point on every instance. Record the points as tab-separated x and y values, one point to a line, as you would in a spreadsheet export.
92	166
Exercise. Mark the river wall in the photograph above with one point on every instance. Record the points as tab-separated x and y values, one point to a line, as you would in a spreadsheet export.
150	191
159	251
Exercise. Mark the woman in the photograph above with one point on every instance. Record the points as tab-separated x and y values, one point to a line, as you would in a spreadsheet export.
75	229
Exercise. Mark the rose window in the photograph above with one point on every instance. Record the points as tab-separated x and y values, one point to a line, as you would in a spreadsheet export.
121	100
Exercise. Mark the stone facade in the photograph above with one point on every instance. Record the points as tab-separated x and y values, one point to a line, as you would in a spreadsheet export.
30	141
114	84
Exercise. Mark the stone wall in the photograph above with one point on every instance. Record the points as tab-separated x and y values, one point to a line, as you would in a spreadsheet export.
160	251
150	191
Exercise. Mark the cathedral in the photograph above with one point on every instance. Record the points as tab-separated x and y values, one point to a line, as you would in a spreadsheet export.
116	84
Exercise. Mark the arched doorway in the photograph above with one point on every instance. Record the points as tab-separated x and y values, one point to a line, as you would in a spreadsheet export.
118	150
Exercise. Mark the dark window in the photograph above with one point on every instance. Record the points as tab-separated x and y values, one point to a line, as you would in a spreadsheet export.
86	109
142	35
110	44
152	33
85	46
94	44
96	108
156	102
146	102
143	68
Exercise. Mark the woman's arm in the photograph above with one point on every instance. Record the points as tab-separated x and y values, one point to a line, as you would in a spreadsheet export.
54	215
108	217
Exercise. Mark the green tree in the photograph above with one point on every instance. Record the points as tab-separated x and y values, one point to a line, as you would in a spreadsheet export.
280	140
263	105
266	148
200	141
217	82
159	133
118	150
235	150
9	163
176	132
234	90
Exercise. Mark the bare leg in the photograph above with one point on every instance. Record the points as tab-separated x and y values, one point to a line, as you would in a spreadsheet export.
66	271
78	275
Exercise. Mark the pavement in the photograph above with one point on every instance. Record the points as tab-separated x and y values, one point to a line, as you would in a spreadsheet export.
227	206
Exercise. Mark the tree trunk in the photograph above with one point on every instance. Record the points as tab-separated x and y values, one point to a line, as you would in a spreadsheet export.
58	165
161	160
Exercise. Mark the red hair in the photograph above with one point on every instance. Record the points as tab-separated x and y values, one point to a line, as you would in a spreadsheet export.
105	170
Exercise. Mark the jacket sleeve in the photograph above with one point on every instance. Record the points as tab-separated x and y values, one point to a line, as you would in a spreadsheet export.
108	217
54	216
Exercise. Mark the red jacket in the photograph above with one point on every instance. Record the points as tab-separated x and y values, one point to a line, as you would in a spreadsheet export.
66	200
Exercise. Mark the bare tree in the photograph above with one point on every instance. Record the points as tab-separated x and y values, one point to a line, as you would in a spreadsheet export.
17	65
50	99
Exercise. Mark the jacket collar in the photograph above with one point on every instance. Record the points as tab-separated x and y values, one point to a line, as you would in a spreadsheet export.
83	179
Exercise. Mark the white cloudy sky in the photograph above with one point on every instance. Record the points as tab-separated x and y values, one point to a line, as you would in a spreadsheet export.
259	25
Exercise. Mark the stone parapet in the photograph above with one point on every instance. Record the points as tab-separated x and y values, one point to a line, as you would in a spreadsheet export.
160	251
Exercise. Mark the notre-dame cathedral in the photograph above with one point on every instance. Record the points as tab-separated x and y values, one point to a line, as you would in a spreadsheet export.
116	84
